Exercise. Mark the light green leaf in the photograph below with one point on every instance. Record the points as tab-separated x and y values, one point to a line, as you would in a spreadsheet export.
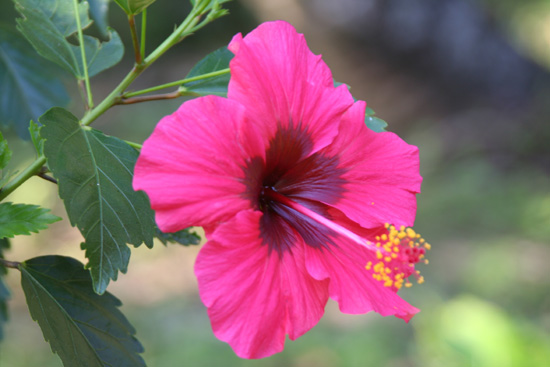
133	7
5	156
98	11
18	219
4	291
26	94
374	123
37	140
59	12
94	173
49	39
214	61
101	55
184	237
83	328
5	152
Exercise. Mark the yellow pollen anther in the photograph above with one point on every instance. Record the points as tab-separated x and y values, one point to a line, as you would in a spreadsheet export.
397	253
411	233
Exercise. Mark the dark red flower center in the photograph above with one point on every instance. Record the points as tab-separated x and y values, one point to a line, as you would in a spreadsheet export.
312	180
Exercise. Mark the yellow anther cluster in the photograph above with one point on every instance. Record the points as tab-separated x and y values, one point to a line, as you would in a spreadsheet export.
398	251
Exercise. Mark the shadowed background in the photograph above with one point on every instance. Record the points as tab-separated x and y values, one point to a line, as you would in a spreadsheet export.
466	81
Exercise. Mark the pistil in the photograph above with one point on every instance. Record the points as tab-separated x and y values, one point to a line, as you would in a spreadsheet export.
396	252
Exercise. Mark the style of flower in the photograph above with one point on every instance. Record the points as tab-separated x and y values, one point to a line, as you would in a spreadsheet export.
293	191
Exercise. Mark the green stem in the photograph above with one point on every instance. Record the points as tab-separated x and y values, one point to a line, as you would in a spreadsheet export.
183	30
83	55
135	42
133	145
154	97
177	83
179	34
27	173
143	32
9	264
113	97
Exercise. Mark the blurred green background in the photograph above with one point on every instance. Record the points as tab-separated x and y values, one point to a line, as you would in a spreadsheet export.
483	131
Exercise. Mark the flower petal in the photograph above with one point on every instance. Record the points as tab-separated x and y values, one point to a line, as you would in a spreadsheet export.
191	166
381	173
256	296
284	85
351	285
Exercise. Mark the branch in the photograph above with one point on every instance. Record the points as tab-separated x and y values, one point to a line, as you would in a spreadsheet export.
154	97
27	173
9	264
46	177
135	42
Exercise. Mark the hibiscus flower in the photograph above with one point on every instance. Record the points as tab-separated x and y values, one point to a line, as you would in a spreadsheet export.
293	191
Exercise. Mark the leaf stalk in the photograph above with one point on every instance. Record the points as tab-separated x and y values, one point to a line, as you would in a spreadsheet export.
9	264
177	83
90	103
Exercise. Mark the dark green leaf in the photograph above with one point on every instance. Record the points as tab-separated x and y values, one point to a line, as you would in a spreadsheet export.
49	39
98	11
37	140
133	7
95	172
184	237
4	291
18	219
83	328
215	61
26	93
5	152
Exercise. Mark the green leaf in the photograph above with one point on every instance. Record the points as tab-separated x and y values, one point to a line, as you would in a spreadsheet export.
40	26
5	156
98	11
215	61
133	7
4	291
94	172
18	219
184	237
5	152
59	12
26	94
83	328
37	140
101	55
373	122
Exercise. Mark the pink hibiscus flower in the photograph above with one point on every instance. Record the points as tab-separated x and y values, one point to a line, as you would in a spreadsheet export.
293	191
